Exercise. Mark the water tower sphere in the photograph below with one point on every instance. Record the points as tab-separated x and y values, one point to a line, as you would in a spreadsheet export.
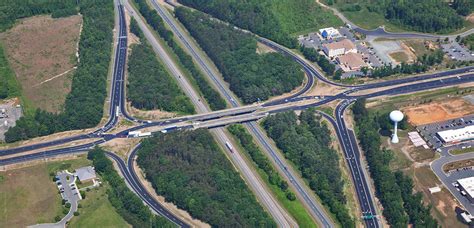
396	116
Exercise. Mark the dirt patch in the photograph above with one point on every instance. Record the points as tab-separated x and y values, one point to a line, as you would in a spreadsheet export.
470	18
263	49
42	52
324	89
149	115
439	111
443	202
121	146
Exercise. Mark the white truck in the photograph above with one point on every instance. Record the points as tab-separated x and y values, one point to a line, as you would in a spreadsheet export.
136	134
229	146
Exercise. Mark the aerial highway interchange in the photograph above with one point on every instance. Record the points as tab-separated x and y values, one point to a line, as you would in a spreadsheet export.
238	114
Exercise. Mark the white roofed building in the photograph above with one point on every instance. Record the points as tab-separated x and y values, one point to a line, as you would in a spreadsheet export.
467	184
85	173
329	33
457	135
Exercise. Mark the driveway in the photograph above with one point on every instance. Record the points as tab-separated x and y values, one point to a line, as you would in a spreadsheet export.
69	192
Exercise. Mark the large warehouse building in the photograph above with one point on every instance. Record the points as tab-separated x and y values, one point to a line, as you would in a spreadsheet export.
457	135
467	185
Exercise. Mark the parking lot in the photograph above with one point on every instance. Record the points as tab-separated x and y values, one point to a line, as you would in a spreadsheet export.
313	40
9	114
428	131
457	52
455	175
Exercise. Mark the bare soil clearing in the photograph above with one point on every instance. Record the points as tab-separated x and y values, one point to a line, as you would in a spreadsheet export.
42	52
439	111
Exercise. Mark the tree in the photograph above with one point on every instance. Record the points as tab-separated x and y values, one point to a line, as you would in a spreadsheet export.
252	77
338	74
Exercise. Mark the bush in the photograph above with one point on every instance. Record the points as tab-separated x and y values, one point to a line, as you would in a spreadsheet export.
76	213
57	218
83	194
67	205
291	196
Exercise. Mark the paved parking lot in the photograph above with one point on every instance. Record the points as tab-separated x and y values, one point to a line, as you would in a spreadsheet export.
9	114
428	131
452	178
457	52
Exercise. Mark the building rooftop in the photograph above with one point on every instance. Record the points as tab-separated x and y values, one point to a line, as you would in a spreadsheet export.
345	43
351	61
468	185
455	135
85	173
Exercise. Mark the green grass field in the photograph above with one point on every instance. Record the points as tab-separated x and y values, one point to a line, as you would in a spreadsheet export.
97	211
462	151
28	196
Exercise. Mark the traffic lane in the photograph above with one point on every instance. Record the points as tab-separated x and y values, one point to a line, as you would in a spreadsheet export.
135	186
420	86
352	155
197	57
316	210
49	153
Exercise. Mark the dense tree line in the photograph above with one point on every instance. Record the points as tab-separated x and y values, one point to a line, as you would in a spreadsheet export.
468	41
149	84
251	76
431	16
9	87
393	189
214	99
189	169
312	55
262	162
127	204
84	104
307	143
11	10
276	20
463	7
424	16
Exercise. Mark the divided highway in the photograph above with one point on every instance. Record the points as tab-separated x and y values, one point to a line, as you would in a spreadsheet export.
346	137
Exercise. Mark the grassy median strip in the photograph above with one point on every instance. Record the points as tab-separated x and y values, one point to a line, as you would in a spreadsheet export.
272	179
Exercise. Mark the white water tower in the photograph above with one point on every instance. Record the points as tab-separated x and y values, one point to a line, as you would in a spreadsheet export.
396	116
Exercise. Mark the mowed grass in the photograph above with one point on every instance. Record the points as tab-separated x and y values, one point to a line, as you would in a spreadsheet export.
97	211
462	151
28	196
400	56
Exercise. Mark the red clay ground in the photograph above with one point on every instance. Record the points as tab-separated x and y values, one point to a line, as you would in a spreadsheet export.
439	111
42	52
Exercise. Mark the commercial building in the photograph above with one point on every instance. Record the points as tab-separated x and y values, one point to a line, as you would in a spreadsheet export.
351	62
339	48
85	173
456	135
467	185
329	33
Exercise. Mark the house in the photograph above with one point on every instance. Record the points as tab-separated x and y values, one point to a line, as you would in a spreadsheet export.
339	48
85	173
329	33
351	62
